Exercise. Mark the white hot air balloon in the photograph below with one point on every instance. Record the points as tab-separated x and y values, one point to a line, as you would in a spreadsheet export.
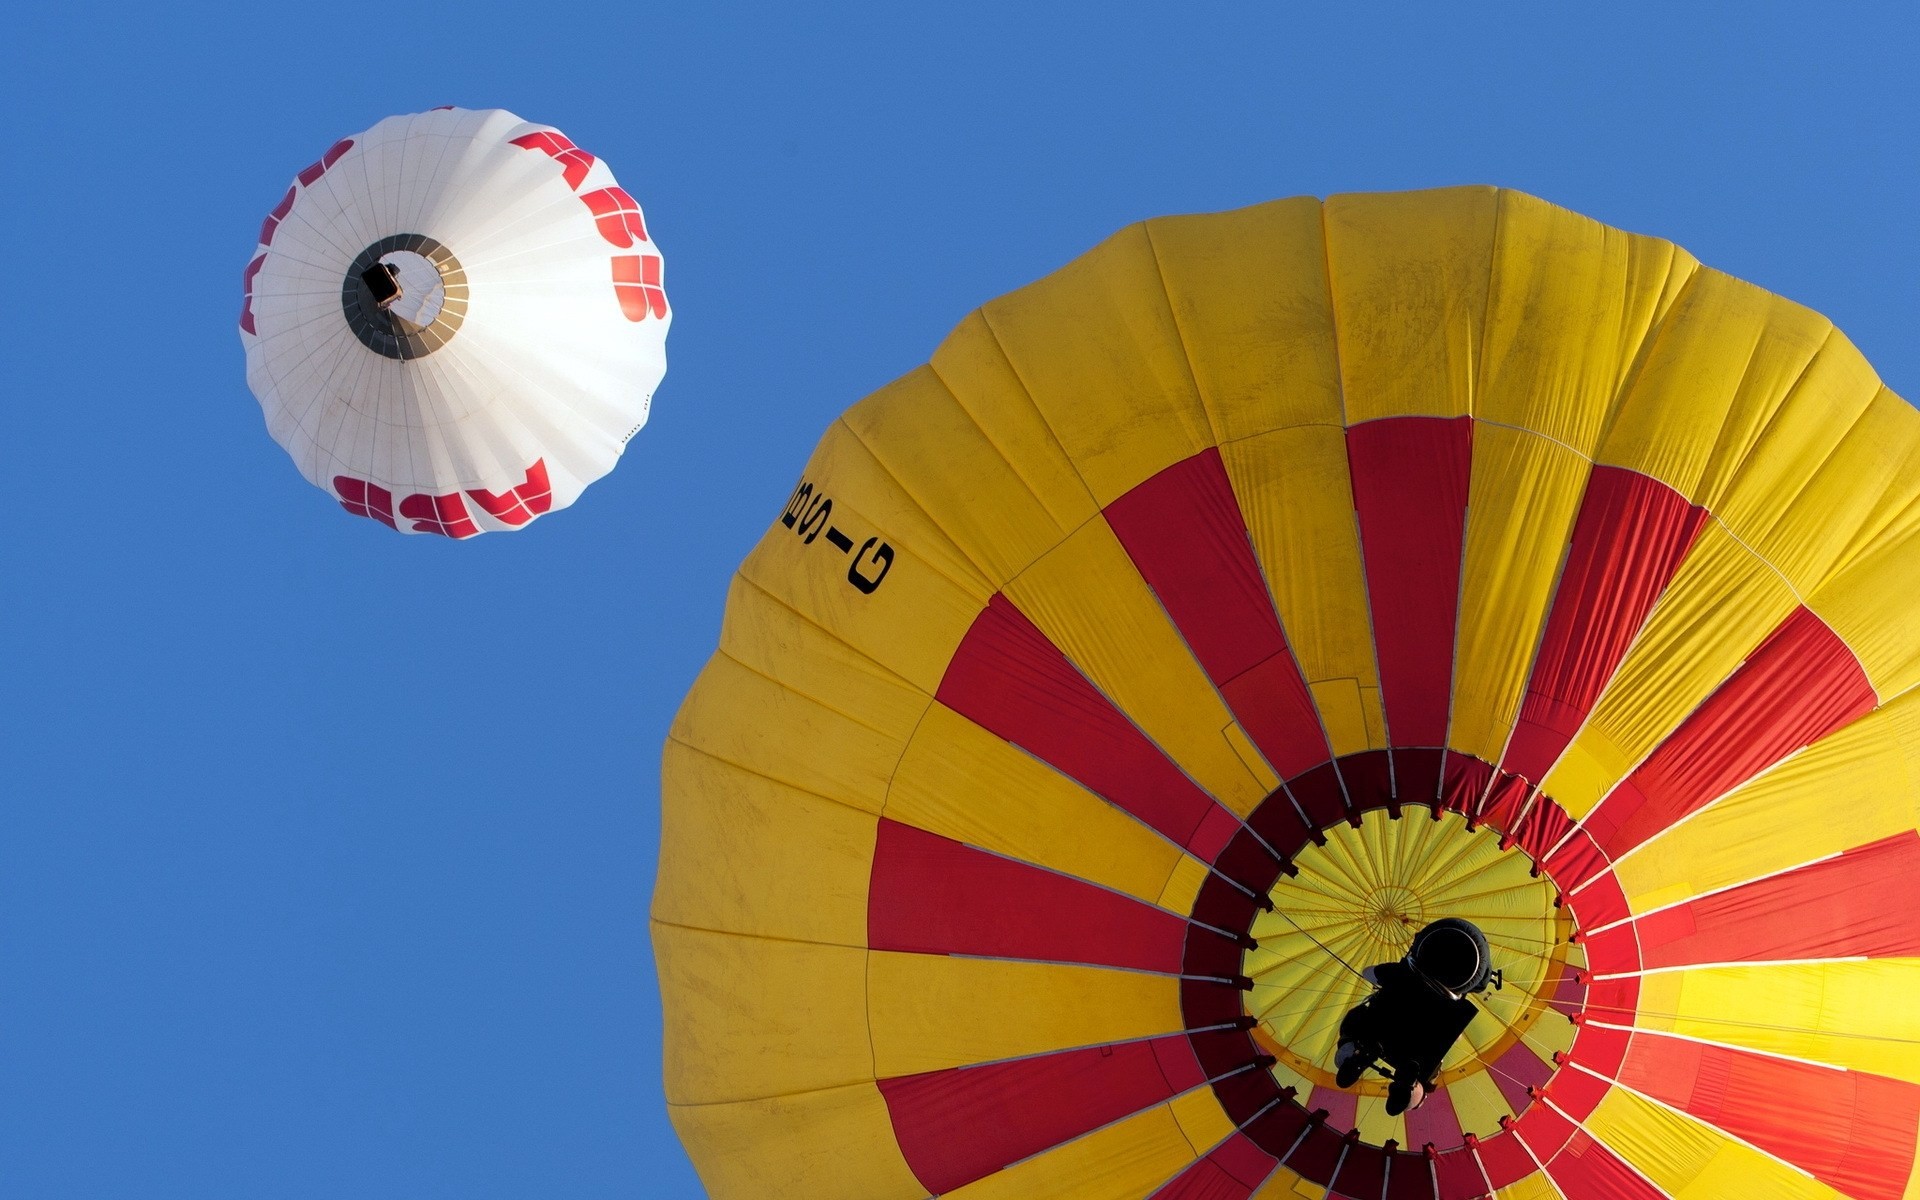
455	321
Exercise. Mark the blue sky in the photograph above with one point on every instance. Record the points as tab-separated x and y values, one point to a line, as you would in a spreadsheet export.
318	878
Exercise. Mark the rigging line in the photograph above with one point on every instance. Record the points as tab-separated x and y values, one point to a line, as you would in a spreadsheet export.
1316	941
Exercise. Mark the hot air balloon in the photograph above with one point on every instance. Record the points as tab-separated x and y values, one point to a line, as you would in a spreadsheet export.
1215	613
455	321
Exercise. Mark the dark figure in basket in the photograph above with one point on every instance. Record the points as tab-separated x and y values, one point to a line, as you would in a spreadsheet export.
1419	1008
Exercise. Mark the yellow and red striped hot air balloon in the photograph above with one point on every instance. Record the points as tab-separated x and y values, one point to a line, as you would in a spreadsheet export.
1211	614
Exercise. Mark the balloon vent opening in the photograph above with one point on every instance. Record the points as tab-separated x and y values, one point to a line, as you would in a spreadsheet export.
404	296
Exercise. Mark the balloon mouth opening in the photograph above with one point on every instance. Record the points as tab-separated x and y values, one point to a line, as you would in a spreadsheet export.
404	296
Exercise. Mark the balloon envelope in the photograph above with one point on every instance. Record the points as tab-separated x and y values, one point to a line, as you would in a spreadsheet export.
1214	613
454	321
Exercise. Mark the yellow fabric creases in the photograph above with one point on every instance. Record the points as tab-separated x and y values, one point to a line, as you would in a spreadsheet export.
1122	1161
1873	599
1375	1126
1296	496
974	368
1201	1119
749	855
825	1145
1855	786
1555	270
769	638
1690	1160
1711	378
1533	1187
792	739
1249	293
1409	272
1183	886
1122	347
759	1018
1088	598
959	781
1854	1014
930	1012
919	432
1721	605
929	594
1521	505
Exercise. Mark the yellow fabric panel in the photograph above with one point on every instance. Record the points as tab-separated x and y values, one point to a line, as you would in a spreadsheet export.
1409	272
1855	1014
1855	786
1297	497
1478	1103
959	781
1249	292
1371	1119
1250	758
1521	507
1126	1160
749	1018
930	1012
768	637
1721	604
1873	600
1201	1119
974	368
1536	1186
1088	598
1813	478
1124	350
825	1145
1711	378
1183	886
792	739
1690	1160
920	433
741	853
1569	307
1285	1185
929	595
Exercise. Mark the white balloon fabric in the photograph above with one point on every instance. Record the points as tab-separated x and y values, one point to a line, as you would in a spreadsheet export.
455	321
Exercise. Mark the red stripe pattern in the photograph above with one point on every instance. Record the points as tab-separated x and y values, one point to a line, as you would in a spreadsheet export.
1185	534
933	895
1628	542
1801	684
1849	1130
1410	477
963	1124
1009	679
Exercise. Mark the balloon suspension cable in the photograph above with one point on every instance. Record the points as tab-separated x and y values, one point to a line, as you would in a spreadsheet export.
1330	953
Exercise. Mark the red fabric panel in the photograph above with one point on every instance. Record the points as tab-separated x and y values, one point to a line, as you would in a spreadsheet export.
1628	541
1362	1174
1577	1093
1506	1160
1342	1107
1409	1177
1239	1157
1410	477
1576	861
1598	905
1832	909
1517	1069
1852	1131
1586	1170
959	1125
933	895
1543	1130
1434	1123
1204	1180
1177	1063
1184	531
1610	1002
1800	685
1009	679
1457	1175
1317	1154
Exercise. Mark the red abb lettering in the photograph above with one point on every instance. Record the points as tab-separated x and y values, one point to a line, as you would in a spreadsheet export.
636	280
521	504
617	214
364	499
574	162
444	515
